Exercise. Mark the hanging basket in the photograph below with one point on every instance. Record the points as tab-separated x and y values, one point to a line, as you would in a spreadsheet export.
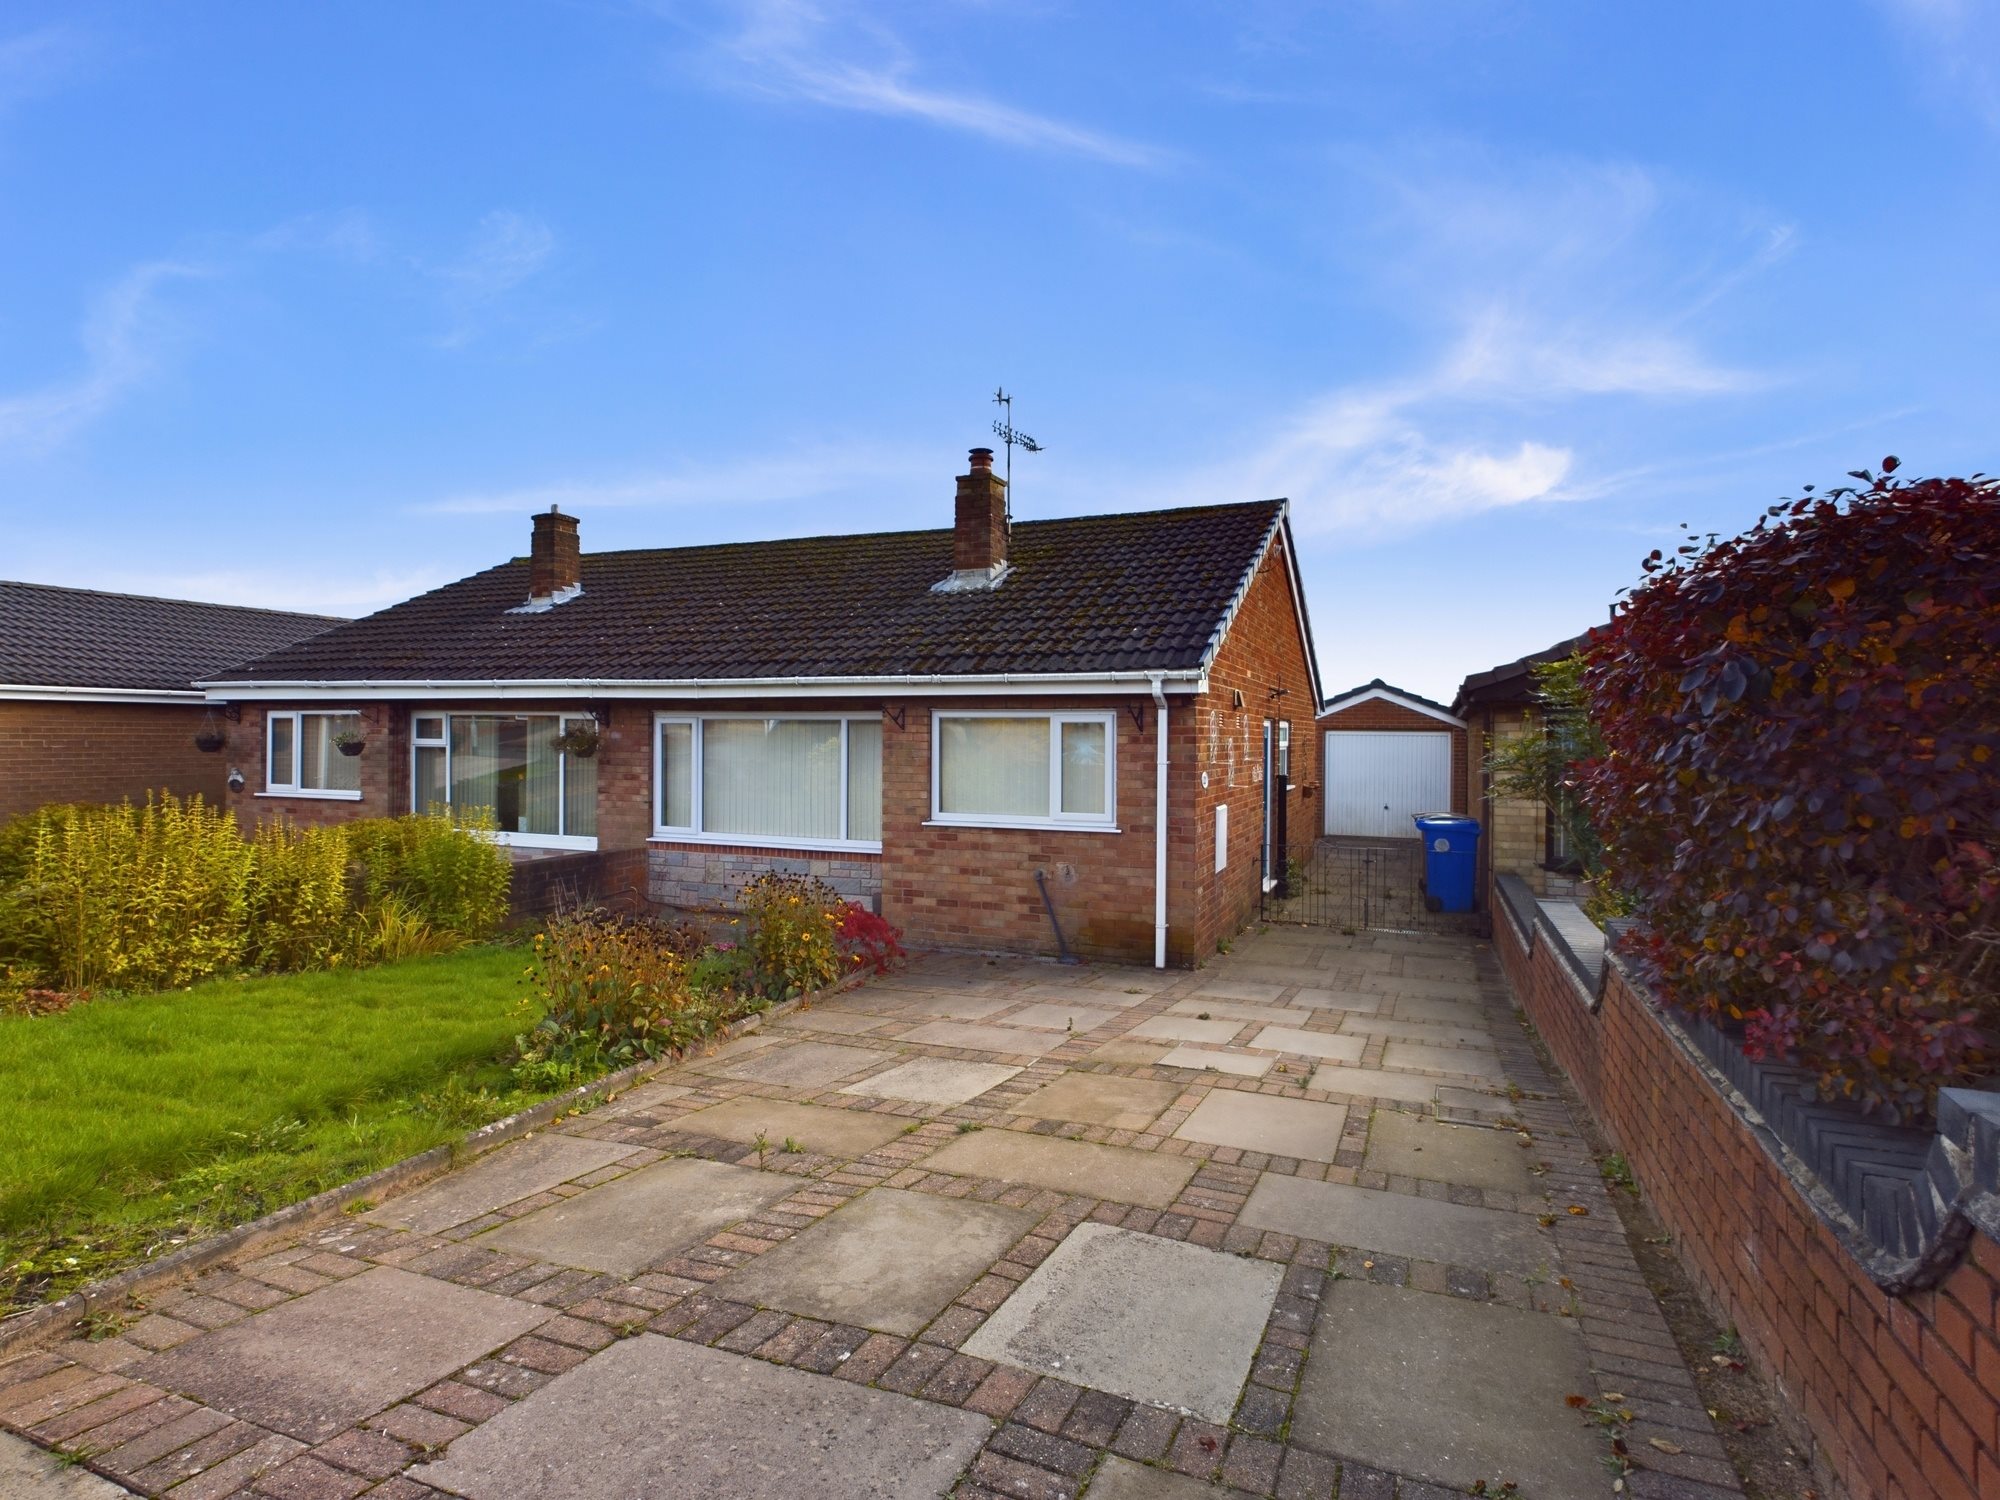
208	741
347	742
580	740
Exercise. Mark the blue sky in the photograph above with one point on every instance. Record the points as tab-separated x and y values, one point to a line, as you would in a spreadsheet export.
311	305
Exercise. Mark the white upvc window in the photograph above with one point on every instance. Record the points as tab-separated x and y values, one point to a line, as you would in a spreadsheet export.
511	766
793	781
1025	770
302	759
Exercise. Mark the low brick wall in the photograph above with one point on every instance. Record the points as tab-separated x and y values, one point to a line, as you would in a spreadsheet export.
700	877
1899	1390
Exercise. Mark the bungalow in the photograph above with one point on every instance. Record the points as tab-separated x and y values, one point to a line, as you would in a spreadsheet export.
980	731
97	694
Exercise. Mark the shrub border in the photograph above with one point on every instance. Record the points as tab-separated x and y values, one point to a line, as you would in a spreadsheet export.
26	1327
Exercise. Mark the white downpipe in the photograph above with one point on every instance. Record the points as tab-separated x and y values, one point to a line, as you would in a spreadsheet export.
1159	822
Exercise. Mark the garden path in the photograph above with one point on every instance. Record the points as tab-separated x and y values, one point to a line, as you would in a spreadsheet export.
1309	1221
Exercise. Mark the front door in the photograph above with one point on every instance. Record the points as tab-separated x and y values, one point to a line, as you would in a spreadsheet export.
1269	865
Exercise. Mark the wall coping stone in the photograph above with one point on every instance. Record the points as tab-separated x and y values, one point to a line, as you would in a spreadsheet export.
1903	1202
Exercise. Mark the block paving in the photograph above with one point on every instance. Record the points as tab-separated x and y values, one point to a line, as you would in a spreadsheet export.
1080	1055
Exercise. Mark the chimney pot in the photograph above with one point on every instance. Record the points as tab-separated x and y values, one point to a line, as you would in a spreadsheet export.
555	557
982	458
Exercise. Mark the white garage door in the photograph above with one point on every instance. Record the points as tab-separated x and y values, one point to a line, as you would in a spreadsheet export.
1377	780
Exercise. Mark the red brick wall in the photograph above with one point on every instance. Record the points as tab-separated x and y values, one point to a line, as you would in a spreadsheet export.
1375	714
103	752
1902	1394
1262	651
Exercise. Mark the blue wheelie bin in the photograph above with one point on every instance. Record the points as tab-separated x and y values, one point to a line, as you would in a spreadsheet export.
1451	848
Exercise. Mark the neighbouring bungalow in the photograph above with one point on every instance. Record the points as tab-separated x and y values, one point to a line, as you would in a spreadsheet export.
978	731
98	701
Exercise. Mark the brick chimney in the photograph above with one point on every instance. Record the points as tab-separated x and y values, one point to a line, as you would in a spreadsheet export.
555	561
979	529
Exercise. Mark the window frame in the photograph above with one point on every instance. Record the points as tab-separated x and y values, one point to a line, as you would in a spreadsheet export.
665	833
1104	822
563	717
297	717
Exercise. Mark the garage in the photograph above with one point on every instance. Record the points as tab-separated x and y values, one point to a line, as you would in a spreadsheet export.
1389	755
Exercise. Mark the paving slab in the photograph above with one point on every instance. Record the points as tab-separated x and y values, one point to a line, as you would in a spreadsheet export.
1464	1154
1488	1239
1121	1479
838	1022
806	1065
1133	1054
1311	1043
1052	1015
835	1132
1443	1012
30	1473
1450	1391
504	1175
1112	1172
652	1418
628	1224
1151	1319
1267	1123
934	1080
1332	999
1239	1063
1243	989
1008	1041
950	1006
1201	1006
1099	1099
1467	1062
1375	1083
889	1260
1171	1028
1431	1033
312	1366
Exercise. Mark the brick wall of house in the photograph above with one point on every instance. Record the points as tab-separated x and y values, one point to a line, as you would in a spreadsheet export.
1263	651
1900	1394
1375	714
384	767
102	752
704	877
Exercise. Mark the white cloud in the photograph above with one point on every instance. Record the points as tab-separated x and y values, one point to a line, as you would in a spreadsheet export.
506	250
1958	41
842	59
33	63
120	335
753	481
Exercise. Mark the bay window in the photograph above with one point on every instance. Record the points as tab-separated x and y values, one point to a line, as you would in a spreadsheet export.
510	766
804	781
1024	770
302	759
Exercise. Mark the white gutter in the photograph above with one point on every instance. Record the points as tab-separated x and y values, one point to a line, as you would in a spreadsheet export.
56	693
1159	823
935	684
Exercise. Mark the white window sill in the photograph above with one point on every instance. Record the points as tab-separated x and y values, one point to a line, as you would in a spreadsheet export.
285	792
1030	825
760	841
542	840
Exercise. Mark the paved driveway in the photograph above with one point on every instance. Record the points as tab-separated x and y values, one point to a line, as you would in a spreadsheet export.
1306	1222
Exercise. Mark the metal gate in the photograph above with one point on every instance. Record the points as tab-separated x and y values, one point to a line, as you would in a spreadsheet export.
1357	885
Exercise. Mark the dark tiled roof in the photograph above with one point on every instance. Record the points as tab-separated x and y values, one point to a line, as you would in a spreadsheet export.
57	637
1136	592
1513	682
1375	685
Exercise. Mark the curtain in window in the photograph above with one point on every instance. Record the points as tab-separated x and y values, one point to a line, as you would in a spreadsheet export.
429	793
284	767
774	778
677	775
580	792
475	765
541	776
994	767
325	768
1083	768
864	779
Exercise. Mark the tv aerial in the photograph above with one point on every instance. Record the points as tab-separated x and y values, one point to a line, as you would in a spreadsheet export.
1008	433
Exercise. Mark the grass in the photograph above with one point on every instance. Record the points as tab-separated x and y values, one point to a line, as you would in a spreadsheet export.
133	1124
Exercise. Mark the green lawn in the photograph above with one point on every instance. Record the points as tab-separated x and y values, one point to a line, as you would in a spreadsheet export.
129	1124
